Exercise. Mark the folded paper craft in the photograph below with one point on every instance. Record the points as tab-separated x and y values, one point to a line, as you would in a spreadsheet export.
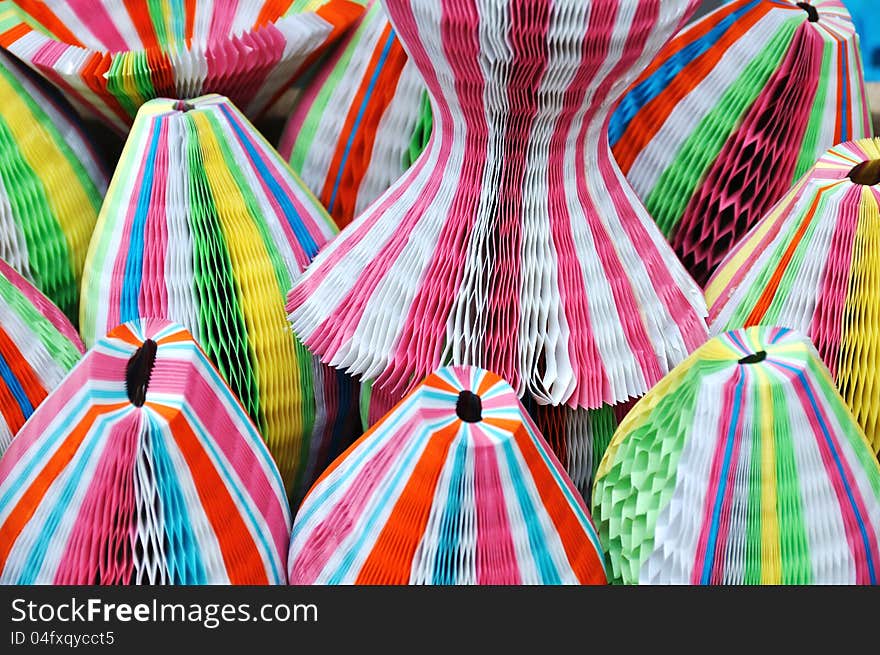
578	437
361	121
813	264
205	224
513	243
743	466
455	486
141	468
51	186
732	112
38	346
109	57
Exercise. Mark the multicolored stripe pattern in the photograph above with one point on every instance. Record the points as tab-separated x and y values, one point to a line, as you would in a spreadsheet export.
578	437
206	225
51	186
454	486
142	468
38	346
361	121
109	57
733	112
513	243
813	264
743	466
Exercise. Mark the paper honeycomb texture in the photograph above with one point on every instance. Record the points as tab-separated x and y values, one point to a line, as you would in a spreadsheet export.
142	468
38	346
733	112
743	466
108	57
205	224
361	121
454	486
513	243
578	437
51	186
813	264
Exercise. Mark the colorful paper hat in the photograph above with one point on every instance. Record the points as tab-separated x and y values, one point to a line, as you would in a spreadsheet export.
361	122
743	466
513	243
205	224
51	186
38	346
813	264
141	468
455	486
109	56
733	112
578	437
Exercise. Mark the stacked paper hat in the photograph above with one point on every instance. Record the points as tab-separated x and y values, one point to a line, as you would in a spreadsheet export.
734	111
743	466
578	437
108	56
454	486
349	158
38	346
205	224
141	468
513	243
51	186
813	264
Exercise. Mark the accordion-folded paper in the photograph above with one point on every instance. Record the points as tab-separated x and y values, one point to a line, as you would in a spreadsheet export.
813	264
109	56
206	225
743	466
141	468
361	121
454	486
733	112
38	346
51	186
513	243
578	437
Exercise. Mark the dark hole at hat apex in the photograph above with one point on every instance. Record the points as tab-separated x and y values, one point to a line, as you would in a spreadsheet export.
812	12
867	173
138	371
469	407
182	105
754	358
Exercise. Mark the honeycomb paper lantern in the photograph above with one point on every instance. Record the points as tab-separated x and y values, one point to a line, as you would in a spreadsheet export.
454	486
361	121
141	468
38	346
513	243
109	56
733	112
743	466
51	186
205	224
813	264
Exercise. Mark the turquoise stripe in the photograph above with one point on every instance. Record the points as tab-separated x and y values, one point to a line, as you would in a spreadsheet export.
446	559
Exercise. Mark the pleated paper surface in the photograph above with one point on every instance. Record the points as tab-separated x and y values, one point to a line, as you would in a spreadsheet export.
109	56
142	468
513	243
578	437
51	186
38	346
361	121
813	264
455	486
743	466
735	110
205	224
